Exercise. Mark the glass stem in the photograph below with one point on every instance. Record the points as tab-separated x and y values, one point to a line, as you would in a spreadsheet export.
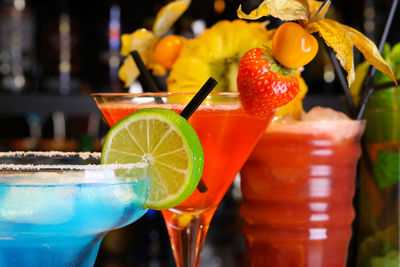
188	233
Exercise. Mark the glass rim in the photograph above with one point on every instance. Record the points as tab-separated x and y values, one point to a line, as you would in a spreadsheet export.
281	119
61	166
353	127
165	94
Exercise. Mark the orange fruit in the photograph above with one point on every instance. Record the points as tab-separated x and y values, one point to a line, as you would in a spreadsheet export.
168	49
293	46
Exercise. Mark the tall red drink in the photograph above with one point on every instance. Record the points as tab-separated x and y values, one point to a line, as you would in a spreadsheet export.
298	186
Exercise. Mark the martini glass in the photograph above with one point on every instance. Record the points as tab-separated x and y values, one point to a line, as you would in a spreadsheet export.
55	207
227	134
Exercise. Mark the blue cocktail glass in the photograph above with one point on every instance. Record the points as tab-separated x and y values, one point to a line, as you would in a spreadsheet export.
56	207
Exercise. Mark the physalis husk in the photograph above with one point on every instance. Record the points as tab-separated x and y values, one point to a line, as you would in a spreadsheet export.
342	38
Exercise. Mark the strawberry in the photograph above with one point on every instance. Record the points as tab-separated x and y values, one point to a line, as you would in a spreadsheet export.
263	84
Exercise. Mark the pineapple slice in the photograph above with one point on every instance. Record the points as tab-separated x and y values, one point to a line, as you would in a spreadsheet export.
216	53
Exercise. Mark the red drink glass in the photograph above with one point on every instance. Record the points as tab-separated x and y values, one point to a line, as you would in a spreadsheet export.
228	135
298	186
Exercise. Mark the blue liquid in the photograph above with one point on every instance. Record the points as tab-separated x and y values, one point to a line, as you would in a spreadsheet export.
63	225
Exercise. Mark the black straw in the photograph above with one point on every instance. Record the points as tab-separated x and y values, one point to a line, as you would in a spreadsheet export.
369	89
149	84
384	35
386	85
376	87
204	91
342	80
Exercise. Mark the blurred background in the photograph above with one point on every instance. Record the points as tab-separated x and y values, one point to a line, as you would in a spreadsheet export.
53	54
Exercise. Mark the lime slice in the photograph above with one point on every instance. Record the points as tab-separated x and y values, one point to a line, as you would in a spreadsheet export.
168	143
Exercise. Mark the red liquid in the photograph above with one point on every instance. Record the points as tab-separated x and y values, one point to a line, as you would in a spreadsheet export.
227	135
298	190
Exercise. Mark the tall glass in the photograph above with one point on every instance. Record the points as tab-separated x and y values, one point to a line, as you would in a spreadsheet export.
55	208
378	225
228	135
298	186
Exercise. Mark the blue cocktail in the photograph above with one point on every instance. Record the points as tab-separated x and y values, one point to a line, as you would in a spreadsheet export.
55	208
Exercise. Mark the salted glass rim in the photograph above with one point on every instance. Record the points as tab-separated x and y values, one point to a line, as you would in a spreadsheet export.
16	155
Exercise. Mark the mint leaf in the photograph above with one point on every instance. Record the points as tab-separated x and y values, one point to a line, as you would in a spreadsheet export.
386	170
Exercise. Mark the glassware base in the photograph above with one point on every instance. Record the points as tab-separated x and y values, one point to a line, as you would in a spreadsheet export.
187	232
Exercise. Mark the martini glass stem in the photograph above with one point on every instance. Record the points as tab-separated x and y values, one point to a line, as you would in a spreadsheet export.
188	233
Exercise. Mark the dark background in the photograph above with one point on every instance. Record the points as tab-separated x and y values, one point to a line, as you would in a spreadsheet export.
89	22
89	52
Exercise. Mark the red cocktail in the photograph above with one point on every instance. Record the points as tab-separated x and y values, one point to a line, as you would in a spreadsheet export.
228	135
298	186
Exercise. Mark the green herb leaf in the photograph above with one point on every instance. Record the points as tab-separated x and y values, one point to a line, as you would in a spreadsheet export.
386	170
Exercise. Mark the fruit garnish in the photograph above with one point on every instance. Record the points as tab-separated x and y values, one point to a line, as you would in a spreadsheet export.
168	144
293	46
263	84
311	16
145	41
168	49
167	16
216	53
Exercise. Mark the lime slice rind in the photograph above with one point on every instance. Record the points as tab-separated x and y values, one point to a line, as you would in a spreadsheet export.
168	144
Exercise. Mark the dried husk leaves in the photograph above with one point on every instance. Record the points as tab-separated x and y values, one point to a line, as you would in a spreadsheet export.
283	9
339	37
336	36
